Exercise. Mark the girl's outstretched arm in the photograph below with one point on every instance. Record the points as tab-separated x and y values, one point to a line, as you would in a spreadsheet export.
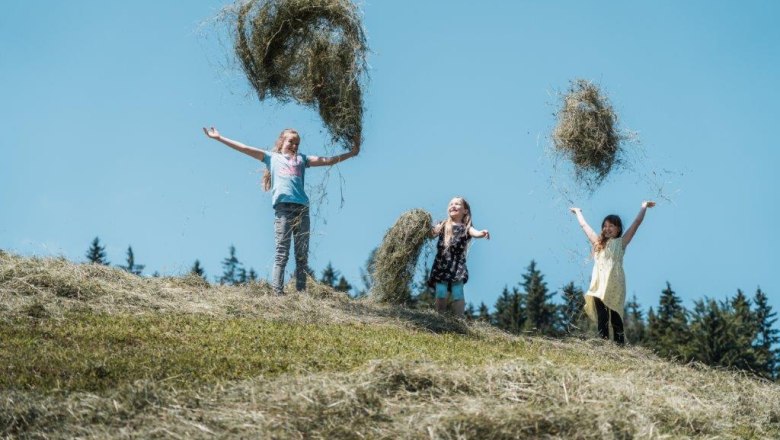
589	232
637	221
238	146
316	161
479	234
436	230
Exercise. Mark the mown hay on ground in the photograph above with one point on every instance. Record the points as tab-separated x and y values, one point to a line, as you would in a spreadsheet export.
587	132
397	257
312	52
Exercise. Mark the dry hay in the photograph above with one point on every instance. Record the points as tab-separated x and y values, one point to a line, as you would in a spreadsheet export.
308	51
587	132
397	257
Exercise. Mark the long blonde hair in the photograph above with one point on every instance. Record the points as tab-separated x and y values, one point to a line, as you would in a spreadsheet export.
447	224
277	149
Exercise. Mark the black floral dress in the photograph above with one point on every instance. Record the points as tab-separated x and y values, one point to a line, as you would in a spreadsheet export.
449	265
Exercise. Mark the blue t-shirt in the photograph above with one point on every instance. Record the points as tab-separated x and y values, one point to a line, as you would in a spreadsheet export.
287	177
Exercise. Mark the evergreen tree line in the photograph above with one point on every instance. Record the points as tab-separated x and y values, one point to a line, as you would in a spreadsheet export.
737	332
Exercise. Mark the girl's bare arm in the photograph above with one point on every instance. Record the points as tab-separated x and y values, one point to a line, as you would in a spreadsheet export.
589	232
629	234
238	146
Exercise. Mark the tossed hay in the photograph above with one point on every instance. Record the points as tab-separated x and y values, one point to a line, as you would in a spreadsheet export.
587	132
397	256
308	51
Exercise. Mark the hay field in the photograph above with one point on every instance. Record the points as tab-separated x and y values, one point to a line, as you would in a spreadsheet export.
93	352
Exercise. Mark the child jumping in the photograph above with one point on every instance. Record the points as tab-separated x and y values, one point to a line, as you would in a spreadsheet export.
607	292
449	272
284	177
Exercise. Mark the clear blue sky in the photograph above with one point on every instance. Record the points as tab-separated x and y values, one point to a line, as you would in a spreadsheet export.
103	104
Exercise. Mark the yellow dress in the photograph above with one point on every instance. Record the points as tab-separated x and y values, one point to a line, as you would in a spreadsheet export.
608	282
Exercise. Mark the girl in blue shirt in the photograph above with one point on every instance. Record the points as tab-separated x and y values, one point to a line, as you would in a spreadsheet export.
284	177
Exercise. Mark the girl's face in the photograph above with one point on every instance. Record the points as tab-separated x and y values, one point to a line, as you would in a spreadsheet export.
610	230
456	210
290	143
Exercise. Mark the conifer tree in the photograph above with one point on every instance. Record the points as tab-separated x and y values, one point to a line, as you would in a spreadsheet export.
251	276
572	317
366	274
712	338
483	313
130	266
329	275
197	269
343	285
635	327
745	329
539	311
767	337
96	254
231	268
668	330
510	313
468	312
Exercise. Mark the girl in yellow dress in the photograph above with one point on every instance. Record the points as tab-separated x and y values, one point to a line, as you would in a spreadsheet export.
607	292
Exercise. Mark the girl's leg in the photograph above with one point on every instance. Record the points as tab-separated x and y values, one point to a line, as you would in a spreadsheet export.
458	299
617	327
603	318
301	227
441	297
282	235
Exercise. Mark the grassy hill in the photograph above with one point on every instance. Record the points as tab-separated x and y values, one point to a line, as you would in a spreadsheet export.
94	352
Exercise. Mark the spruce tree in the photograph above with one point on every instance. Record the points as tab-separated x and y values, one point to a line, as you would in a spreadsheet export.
510	313
96	254
483	313
635	328
366	274
539	311
197	269
469	312
343	285
712	338
767	337
572	317
329	275
668	330
130	266
251	277
231	268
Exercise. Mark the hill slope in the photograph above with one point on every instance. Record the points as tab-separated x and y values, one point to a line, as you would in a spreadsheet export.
90	351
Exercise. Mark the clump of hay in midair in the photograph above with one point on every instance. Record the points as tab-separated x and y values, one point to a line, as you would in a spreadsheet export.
312	52
397	257
587	132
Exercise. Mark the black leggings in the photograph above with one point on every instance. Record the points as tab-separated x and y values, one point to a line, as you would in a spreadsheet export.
606	316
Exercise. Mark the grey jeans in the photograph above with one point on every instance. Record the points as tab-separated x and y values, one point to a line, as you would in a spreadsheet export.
291	223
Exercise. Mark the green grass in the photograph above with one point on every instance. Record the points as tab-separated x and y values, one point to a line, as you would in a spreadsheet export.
95	352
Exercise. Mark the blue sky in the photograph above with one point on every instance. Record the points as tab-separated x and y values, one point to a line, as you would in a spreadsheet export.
103	104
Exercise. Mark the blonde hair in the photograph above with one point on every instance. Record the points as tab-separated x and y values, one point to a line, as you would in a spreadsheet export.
276	149
447	224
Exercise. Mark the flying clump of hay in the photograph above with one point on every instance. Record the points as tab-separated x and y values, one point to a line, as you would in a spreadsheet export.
312	52
397	257
587	132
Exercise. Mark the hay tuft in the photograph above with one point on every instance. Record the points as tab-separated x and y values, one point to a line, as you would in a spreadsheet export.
312	52
587	132
397	257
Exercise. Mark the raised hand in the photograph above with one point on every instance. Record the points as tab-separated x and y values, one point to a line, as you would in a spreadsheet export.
211	132
648	204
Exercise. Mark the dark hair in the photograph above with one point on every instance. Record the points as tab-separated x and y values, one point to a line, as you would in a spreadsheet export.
615	220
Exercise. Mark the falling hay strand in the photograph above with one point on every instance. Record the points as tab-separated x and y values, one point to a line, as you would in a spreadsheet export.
397	257
587	133
308	51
